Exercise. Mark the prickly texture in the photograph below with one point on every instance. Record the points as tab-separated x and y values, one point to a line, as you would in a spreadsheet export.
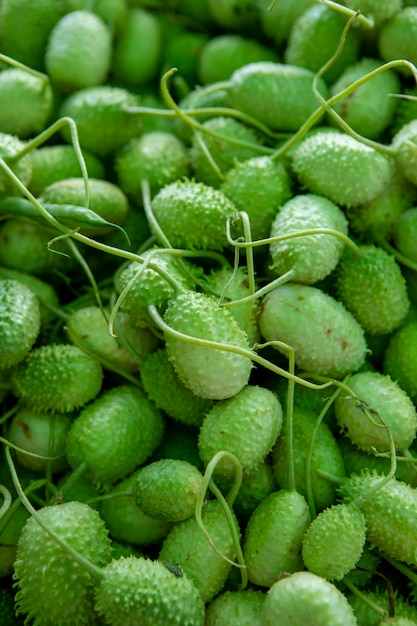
193	215
223	151
404	142
400	359
358	173
45	293
325	456
243	607
325	336
142	591
390	512
312	257
209	372
20	321
279	95
273	537
405	612
9	146
52	588
258	186
167	489
115	434
163	386
322	602
188	548
405	233
57	378
384	399
371	286
334	541
246	425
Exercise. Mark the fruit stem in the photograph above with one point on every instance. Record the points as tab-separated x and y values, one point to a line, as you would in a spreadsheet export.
372	605
7	500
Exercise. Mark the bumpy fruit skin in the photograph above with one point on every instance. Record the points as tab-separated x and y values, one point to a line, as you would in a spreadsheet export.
52	587
57	378
325	336
405	612
9	146
358	173
210	373
371	286
390	512
392	404
193	215
312	257
20	321
167	489
136	591
305	598
247	425
404	142
334	541
115	434
163	386
188	548
243	607
273	537
400	359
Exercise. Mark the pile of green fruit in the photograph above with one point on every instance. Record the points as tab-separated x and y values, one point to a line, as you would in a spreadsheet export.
208	312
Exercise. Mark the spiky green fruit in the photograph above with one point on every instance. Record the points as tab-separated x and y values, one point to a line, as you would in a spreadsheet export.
277	24
10	145
400	359
315	36
359	172
79	51
256	486
163	386
325	336
247	425
397	34
322	602
322	446
405	233
243	606
383	398
221	148
57	378
273	537
279	95
370	109
390	510
371	286
311	257
209	372
376	10
115	434
103	123
142	591
157	157
187	547
52	587
125	521
405	611
404	143
334	541
193	215
168	489
258	186
45	292
20	321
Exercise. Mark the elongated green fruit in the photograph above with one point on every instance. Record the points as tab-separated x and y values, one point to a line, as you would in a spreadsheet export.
404	142
381	394
405	232
242	606
211	373
79	51
395	40
52	587
334	541
273	537
247	425
44	292
279	95
371	286
322	603
193	215
325	336
135	591
400	358
312	257
74	378
390	512
115	434
20	321
188	548
359	172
